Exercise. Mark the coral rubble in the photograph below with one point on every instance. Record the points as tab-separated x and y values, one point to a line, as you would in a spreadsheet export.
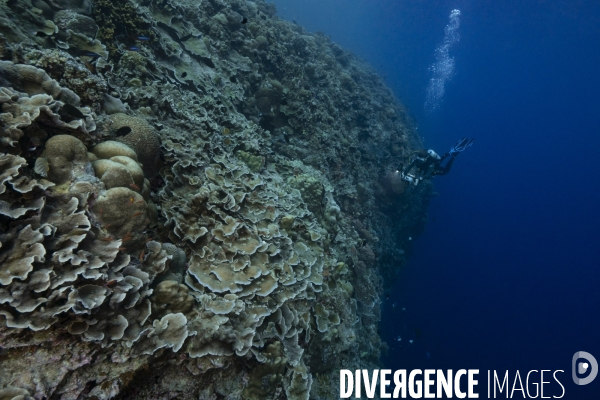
191	206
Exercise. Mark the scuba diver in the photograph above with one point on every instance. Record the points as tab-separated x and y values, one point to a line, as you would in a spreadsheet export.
429	163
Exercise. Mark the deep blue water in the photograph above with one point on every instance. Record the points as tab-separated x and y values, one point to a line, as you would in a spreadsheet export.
506	275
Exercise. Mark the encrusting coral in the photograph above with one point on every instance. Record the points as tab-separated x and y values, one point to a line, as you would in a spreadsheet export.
189	204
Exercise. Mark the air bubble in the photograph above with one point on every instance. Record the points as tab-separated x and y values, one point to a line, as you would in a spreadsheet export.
443	68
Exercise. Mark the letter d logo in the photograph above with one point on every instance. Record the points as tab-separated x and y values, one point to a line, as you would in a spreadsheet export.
582	367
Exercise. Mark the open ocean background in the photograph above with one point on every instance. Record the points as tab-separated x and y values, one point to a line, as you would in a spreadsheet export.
507	273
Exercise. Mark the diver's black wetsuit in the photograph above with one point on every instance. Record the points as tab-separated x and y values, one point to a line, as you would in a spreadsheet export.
431	166
438	169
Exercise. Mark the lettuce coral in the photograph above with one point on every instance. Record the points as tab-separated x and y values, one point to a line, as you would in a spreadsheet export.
146	251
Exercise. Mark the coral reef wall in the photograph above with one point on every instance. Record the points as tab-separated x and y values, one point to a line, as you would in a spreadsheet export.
197	200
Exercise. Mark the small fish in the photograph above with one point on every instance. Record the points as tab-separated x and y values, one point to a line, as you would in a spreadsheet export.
91	67
393	305
142	255
133	48
244	20
129	38
86	53
111	283
411	341
134	187
398	338
41	166
122	248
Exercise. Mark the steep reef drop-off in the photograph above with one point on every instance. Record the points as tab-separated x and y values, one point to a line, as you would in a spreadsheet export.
196	201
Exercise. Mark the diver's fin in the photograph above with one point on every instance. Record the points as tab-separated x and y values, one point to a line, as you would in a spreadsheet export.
468	144
461	145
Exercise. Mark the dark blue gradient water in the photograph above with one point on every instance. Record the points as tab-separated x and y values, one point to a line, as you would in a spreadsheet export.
507	273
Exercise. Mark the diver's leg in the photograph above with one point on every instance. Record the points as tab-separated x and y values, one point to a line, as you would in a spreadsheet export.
441	160
446	168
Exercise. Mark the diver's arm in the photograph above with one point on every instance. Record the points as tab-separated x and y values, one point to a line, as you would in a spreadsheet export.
429	171
406	170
